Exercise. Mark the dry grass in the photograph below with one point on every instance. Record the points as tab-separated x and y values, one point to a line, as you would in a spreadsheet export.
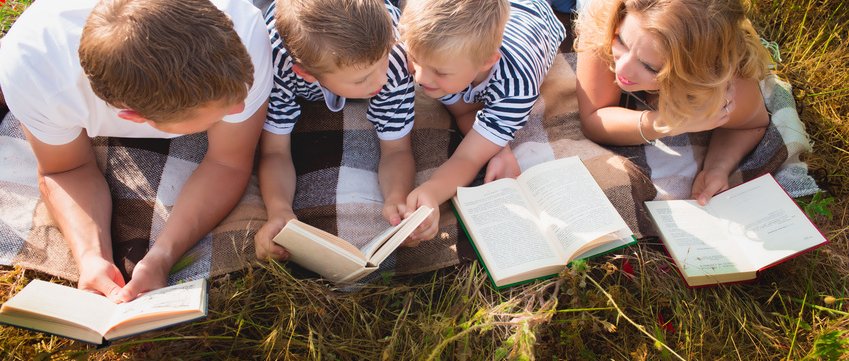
594	311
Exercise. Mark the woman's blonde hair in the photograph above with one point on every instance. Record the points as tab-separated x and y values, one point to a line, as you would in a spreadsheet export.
163	58
445	29
707	43
324	35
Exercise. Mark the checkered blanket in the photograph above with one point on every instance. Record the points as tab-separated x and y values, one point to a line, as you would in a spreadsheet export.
336	160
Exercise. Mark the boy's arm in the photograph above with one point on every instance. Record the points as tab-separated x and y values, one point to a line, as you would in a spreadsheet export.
460	169
277	181
78	198
730	143
208	196
395	175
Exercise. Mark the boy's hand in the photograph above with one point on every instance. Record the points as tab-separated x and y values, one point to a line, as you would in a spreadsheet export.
427	230
708	183
97	275
394	211
265	247
149	274
502	165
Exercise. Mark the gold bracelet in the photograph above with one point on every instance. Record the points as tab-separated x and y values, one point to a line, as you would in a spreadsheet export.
640	128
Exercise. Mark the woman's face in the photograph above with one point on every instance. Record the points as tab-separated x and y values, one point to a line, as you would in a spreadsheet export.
636	55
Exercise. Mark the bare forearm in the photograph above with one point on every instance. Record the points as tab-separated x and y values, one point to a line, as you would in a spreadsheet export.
80	202
619	126
277	182
396	173
728	147
206	198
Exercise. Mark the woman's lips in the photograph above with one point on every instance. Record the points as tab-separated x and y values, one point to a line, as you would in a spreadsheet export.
624	81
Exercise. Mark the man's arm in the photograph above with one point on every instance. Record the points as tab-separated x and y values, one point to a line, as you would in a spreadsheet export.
277	181
208	196
395	175
77	196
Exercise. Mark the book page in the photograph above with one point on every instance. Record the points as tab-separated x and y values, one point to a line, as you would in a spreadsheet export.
159	307
571	204
319	251
54	303
697	241
402	231
504	229
770	222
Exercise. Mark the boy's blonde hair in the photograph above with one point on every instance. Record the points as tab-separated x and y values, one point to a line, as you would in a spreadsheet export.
446	29
324	35
163	58
707	44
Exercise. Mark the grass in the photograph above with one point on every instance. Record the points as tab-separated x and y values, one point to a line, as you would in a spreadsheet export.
798	310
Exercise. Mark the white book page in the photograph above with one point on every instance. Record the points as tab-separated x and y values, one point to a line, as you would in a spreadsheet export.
760	212
504	229
62	304
402	231
698	241
571	203
319	251
158	307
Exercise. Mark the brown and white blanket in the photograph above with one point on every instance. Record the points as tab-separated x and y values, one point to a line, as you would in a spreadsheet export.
336	158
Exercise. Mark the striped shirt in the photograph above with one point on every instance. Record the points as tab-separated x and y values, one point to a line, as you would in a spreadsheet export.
390	111
531	39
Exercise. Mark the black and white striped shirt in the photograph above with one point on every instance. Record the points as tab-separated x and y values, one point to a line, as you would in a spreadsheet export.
390	111
531	39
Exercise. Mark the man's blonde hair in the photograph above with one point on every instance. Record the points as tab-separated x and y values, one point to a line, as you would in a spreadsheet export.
163	58
706	43
445	29
324	35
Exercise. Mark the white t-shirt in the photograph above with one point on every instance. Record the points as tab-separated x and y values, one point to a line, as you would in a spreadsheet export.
47	90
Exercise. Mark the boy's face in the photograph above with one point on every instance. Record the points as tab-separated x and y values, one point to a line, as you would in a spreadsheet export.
441	77
201	118
356	82
636	56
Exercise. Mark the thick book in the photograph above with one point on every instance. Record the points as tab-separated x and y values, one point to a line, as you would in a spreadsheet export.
531	227
88	317
740	232
336	259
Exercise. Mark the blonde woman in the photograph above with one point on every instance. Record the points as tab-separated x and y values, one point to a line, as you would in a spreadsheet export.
694	65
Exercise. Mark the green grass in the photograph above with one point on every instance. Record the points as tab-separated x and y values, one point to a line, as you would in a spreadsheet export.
797	310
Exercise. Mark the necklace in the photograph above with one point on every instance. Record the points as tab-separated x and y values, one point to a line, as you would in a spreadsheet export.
640	99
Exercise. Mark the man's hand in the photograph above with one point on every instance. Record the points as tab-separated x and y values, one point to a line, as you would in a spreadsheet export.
149	274
100	276
263	240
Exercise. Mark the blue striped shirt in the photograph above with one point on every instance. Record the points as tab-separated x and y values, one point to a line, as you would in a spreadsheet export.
390	111
531	39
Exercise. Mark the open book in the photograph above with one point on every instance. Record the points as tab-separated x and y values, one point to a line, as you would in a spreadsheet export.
739	232
338	260
85	316
532	226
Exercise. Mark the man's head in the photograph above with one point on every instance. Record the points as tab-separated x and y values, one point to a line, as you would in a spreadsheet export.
344	44
450	42
166	61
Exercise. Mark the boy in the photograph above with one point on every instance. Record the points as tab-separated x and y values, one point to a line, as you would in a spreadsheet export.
333	50
485	60
71	70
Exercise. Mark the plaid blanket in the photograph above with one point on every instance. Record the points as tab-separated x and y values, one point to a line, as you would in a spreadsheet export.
336	160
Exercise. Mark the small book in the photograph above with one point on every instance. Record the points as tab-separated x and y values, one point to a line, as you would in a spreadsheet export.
336	259
741	231
531	227
88	317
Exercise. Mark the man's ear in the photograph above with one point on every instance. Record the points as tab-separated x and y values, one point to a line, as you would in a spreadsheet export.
131	115
489	62
303	73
